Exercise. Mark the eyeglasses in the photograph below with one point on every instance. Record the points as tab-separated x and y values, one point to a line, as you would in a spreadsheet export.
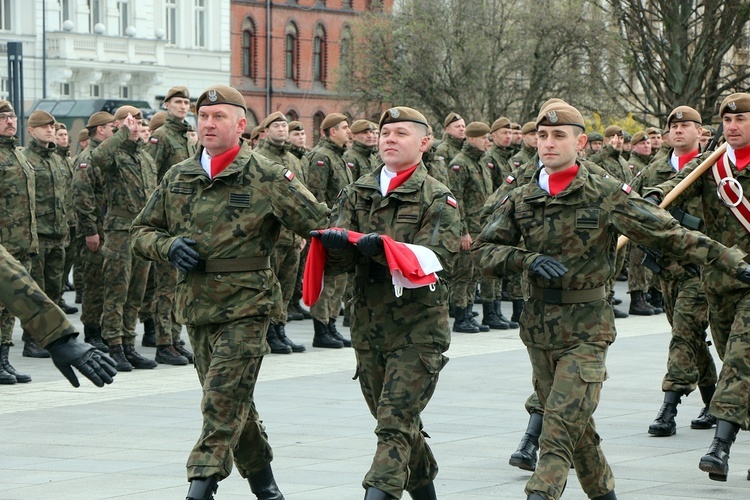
7	116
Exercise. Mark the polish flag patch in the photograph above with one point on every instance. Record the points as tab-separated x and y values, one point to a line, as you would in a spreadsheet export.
450	200
350	164
517	163
289	175
490	165
321	163
455	168
83	165
510	179
626	188
154	140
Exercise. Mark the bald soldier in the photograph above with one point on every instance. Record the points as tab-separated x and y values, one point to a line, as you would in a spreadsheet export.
361	158
453	138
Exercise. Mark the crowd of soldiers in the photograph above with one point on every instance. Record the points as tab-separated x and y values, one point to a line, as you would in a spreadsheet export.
538	207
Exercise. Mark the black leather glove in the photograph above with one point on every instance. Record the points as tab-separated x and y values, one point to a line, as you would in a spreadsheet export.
744	275
69	352
653	199
182	256
547	267
371	244
692	269
332	239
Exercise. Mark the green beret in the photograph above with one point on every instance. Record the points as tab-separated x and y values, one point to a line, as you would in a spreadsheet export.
157	120
612	130
653	130
560	114
626	137
735	103
220	94
295	125
515	126
255	133
477	129
684	114
708	131
178	91
501	122
550	102
452	117
59	126
638	137
6	107
528	128
123	112
99	118
276	116
363	126
402	114
39	118
83	135
595	136
333	119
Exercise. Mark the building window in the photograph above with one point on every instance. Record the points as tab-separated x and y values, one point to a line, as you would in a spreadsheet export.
122	8
4	90
170	15
65	12
248	49
5	15
96	13
291	52
63	89
317	122
345	47
292	116
346	4
124	92
95	90
200	23
252	119
319	55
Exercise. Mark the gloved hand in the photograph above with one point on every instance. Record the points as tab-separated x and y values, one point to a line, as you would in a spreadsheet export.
182	256
547	267
371	244
332	239
653	199
692	269
69	352
744	275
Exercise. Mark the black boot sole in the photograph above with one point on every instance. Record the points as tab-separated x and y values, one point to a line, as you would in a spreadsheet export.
522	464
715	472
659	433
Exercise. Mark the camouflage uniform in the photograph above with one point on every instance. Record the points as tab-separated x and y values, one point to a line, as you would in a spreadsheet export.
567	324
169	145
523	157
17	216
640	278
130	177
361	159
435	165
609	159
498	162
327	175
449	148
237	215
398	341
73	249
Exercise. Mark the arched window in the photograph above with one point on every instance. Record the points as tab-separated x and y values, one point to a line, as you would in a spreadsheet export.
249	49
345	48
320	54
252	118
317	122
292	115
291	53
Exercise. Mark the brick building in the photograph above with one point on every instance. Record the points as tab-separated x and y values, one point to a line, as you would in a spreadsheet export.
302	54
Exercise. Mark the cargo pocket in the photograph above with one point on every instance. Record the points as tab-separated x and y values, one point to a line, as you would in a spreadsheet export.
593	372
433	362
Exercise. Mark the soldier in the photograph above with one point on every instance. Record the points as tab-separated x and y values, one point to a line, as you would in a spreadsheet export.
497	158
594	144
471	183
399	340
20	294
528	147
453	138
571	219
626	145
90	200
158	120
17	223
725	220
287	252
144	132
705	137
327	175
654	136
297	140
51	187
169	145
83	139
130	177
609	157
361	158
517	137
435	164
216	217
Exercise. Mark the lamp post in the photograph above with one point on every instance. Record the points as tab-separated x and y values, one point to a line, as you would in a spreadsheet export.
44	49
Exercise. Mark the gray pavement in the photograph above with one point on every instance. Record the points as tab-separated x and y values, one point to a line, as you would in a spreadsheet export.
131	439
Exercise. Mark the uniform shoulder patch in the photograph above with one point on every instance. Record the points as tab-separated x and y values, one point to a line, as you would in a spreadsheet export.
517	163
321	163
455	168
510	179
154	140
490	165
626	188
83	165
350	164
289	175
450	200
441	158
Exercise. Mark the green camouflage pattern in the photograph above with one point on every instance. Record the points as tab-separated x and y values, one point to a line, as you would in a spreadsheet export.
610	160
327	173
64	154
50	188
361	159
524	156
47	267
637	163
169	145
89	192
297	151
7	319
435	165
449	148
497	160
471	184
92	299
18	230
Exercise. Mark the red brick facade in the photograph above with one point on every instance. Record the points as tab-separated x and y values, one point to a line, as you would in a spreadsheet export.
308	40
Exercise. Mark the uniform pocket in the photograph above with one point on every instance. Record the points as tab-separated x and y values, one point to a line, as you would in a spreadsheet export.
433	362
593	372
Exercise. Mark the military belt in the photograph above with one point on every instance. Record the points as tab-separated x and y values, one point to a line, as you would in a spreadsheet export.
233	265
372	271
559	296
121	212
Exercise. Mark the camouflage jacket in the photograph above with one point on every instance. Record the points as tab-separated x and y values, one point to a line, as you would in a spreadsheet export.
17	200
435	165
327	172
661	152
637	164
417	212
471	183
497	160
609	159
298	152
237	214
70	209
523	157
50	188
129	178
360	159
169	145
88	192
579	228
449	148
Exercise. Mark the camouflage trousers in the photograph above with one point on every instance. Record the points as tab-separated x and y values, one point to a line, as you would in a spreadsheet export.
228	358
73	258
146	312
640	277
92	300
569	382
285	262
533	405
297	294
515	286
491	289
397	386
329	302
7	318
162	306
464	280
47	267
729	317
22	297
125	276
689	364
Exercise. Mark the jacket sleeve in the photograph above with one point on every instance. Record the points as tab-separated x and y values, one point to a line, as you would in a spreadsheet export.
151	238
104	155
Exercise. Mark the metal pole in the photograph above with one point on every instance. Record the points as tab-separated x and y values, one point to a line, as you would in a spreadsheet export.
15	80
268	57
44	49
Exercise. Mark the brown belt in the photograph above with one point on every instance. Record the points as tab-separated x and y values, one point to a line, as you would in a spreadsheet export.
558	296
121	212
234	265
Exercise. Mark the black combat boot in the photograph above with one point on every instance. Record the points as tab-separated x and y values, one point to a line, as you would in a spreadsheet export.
294	314
67	309
517	310
705	420
117	353
490	318
323	337
335	333
716	460
135	359
470	316
298	308
7	371
372	493
263	485
275	343
179	346
451	310
462	324
168	355
664	425
656	300
281	334
202	488
525	456
639	306
609	496
79	297
149	334
426	492
93	335
31	349
499	312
